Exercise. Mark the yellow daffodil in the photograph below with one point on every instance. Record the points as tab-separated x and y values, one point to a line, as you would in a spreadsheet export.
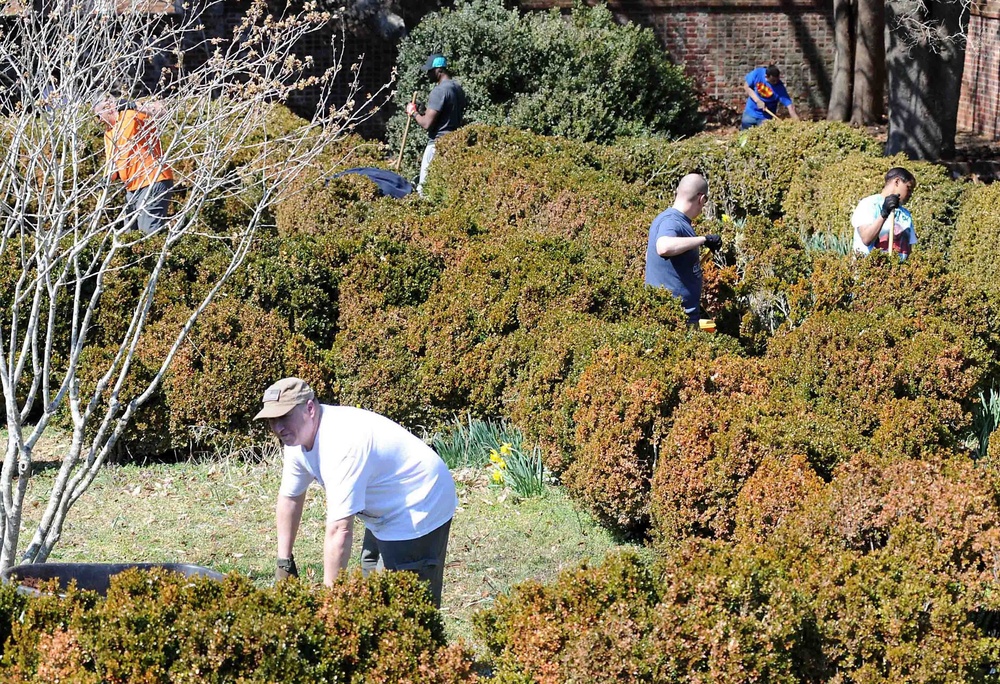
494	456
497	476
726	219
502	463
506	449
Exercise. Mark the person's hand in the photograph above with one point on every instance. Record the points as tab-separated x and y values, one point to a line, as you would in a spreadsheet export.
411	108
286	568
890	204
713	242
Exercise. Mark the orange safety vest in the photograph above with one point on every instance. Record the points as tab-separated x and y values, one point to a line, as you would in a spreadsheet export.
133	150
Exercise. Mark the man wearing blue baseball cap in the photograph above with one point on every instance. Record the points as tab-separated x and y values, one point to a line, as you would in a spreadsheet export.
445	108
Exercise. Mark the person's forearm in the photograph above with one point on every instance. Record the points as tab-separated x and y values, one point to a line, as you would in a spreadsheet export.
752	95
672	246
426	120
792	113
870	231
288	515
336	550
423	120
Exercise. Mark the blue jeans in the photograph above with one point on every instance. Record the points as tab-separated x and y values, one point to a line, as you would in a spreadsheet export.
749	121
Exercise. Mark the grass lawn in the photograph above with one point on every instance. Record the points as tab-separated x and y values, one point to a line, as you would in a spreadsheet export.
220	514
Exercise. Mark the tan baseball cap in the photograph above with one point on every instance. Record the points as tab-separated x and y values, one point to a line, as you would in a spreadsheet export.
283	396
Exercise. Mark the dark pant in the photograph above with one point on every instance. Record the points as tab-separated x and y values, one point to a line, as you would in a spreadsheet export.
423	555
149	205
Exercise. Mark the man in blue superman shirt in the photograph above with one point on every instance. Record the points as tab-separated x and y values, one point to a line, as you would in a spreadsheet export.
764	91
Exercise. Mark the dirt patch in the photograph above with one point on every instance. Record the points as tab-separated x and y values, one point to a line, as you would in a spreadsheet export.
720	116
976	157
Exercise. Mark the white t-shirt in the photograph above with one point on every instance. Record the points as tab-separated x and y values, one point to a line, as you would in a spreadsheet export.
374	468
904	237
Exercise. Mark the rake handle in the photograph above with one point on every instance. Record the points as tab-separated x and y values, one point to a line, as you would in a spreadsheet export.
406	130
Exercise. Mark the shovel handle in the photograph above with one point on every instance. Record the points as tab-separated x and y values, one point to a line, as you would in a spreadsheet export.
892	229
406	129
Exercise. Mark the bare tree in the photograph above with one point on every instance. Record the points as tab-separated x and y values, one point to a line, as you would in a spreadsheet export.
64	226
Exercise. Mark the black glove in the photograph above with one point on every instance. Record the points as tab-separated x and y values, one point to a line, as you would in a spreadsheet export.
890	204
713	242
286	568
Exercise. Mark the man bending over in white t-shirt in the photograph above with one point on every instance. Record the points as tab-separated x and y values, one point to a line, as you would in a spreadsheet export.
370	467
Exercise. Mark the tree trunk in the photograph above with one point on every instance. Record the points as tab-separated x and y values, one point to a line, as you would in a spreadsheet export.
841	92
869	63
925	60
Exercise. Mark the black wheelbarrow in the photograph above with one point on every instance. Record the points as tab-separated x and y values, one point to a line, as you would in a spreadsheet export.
90	576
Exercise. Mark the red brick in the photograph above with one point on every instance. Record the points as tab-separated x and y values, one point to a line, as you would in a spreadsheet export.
979	106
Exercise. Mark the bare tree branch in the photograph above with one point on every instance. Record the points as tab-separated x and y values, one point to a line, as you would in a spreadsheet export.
66	232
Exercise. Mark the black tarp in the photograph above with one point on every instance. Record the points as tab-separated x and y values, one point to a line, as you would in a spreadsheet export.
389	183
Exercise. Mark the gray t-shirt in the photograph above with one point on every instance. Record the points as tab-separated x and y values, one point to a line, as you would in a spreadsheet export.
448	99
680	274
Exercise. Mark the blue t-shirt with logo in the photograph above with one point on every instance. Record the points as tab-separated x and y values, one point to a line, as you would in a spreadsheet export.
770	93
681	274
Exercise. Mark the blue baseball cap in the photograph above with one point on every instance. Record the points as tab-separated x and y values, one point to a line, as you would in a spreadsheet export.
434	62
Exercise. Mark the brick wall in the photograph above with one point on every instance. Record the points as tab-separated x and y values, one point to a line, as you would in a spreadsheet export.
719	41
375	56
376	59
979	104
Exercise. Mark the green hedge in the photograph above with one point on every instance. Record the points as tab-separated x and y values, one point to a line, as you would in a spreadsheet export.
762	162
976	233
775	613
161	627
822	198
885	381
517	291
804	474
585	76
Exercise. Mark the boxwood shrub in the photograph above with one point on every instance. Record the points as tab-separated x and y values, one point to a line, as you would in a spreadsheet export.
761	162
975	234
776	612
161	627
516	290
822	197
888	384
548	73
